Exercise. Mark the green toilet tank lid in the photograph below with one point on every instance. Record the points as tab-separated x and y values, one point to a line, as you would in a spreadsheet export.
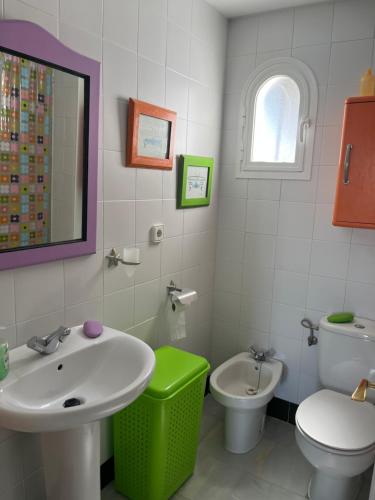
173	369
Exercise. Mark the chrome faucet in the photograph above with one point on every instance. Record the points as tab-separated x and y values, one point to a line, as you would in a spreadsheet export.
50	343
260	355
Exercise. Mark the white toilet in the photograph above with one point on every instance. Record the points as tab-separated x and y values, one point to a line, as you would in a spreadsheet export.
245	386
335	433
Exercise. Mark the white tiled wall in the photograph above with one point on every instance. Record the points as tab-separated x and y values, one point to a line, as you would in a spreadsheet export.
171	53
278	257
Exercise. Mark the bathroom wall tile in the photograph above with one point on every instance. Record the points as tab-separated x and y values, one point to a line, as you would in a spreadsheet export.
317	58
323	228
261	216
293	254
121	22
85	14
172	218
177	92
358	52
363	236
228	276
146	331
151	82
227	307
148	213
232	213
83	278
78	314
296	219
152	36
148	184
200	219
39	326
307	385
146	301
313	24
117	278
238	70
119	309
335	101
119	223
326	184
118	180
330	149
171	255
200	61
50	6
178	49
353	21
15	9
230	244
48	280
286	320
257	281
230	186
224	343
275	30
86	43
361	265
325	293
149	268
330	258
287	351
260	249
9	333
290	288
7	306
249	336
117	92
255	313
16	493
261	189
179	11
360	297
242	35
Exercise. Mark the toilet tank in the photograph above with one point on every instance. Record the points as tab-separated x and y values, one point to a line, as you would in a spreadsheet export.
347	354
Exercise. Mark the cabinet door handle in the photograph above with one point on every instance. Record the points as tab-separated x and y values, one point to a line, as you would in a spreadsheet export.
347	163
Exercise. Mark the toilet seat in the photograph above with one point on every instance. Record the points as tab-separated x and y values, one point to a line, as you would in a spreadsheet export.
334	423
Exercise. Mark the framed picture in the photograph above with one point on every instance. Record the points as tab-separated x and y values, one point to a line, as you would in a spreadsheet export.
194	181
151	132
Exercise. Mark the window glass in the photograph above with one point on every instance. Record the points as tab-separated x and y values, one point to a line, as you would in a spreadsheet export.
276	114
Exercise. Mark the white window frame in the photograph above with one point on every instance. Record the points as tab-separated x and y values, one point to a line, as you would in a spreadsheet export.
305	80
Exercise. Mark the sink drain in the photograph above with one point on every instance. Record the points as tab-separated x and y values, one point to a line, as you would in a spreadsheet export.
68	403
251	391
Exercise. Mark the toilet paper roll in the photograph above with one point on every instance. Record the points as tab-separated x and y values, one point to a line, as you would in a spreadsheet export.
176	321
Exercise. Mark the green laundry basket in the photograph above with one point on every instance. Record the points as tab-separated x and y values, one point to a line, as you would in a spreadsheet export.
156	437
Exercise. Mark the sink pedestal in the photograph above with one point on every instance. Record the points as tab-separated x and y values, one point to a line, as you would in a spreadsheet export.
72	463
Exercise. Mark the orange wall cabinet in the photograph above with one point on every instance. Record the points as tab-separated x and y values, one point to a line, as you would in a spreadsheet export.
355	190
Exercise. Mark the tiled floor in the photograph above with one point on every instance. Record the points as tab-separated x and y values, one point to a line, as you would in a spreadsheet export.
275	470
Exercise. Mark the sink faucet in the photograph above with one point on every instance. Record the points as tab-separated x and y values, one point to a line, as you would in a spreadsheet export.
260	355
50	343
360	393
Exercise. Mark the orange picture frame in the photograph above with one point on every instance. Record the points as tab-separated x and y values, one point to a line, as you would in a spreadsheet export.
150	136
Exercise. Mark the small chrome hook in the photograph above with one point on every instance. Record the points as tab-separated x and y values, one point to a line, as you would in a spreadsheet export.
307	323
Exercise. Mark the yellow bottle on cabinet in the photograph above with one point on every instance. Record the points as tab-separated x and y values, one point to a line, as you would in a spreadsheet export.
367	86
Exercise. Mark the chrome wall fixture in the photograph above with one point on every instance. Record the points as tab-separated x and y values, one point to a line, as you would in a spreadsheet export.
312	339
114	259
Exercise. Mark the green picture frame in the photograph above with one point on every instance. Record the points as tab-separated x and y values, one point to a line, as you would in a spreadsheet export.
194	181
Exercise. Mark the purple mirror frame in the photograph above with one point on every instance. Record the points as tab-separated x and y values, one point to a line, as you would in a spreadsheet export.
30	39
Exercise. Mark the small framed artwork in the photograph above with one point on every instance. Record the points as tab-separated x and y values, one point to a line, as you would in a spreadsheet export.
151	132
194	181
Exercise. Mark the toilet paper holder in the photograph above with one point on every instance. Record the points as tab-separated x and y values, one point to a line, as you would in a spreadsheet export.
183	296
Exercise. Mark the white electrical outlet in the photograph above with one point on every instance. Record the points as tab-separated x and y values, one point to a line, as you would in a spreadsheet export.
157	233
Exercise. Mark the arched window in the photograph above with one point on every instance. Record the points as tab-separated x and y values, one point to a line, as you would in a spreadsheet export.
278	113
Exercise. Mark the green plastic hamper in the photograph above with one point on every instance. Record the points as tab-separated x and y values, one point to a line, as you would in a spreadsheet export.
156	437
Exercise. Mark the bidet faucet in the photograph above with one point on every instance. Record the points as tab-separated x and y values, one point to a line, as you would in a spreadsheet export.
260	355
50	343
361	391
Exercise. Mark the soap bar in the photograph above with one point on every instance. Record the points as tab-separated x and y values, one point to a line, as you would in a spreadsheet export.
341	317
92	328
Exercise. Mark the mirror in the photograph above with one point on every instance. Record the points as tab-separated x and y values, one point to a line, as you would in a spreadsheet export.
42	153
48	147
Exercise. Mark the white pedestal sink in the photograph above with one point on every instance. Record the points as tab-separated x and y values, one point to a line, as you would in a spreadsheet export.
104	374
